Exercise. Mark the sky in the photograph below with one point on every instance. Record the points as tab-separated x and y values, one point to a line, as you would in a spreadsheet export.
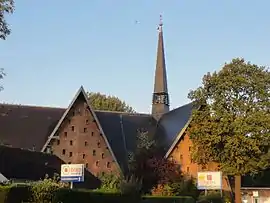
57	46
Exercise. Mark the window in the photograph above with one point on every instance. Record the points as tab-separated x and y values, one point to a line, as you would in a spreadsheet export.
85	143
97	163
86	165
86	121
85	130
100	134
79	111
94	152
73	128
108	164
181	156
188	169
65	134
102	155
92	133
256	199
98	144
83	156
63	151
58	142
69	121
69	162
189	149
70	142
70	154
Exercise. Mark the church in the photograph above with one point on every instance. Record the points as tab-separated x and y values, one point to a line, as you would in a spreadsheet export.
102	140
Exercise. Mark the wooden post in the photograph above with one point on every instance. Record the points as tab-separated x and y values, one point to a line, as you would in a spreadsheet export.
237	189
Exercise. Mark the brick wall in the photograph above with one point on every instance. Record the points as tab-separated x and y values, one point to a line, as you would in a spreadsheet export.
81	141
182	155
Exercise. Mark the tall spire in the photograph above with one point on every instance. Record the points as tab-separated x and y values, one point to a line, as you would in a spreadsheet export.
160	102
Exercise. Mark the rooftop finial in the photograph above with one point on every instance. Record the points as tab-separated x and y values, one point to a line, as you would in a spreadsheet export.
160	23
160	20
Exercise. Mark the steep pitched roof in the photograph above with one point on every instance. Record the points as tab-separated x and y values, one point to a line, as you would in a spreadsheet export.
172	124
80	93
28	165
121	130
27	126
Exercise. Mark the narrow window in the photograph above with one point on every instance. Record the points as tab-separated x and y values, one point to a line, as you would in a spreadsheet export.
92	133
86	121
102	155
189	149
70	142
58	142
86	143
97	163
85	130
188	169
70	154
63	151
86	165
73	128
83	156
100	134
108	164
65	134
181	156
69	162
94	152
98	144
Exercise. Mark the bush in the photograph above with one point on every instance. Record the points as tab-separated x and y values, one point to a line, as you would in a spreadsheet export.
71	196
214	197
44	191
172	199
15	193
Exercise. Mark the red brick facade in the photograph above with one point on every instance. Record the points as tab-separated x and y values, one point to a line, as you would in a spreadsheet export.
182	155
81	141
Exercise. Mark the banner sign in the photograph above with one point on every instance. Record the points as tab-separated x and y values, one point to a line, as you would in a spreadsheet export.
72	172
209	180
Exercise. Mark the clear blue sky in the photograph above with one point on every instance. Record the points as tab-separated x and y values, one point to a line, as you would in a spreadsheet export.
57	46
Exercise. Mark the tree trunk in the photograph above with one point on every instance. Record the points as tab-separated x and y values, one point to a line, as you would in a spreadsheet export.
237	189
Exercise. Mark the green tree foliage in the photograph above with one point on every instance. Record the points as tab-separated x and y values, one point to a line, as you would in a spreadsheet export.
232	125
108	103
6	7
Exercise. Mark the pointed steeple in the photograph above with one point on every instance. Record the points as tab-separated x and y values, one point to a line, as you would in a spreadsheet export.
160	102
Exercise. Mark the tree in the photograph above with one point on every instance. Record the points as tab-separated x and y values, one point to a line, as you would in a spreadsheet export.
108	103
232	124
6	7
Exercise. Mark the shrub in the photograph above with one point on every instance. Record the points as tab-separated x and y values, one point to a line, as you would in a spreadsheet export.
109	183
71	196
172	199
214	197
15	193
131	186
44	191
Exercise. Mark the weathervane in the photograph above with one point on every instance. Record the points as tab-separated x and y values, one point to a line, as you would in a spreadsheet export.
160	23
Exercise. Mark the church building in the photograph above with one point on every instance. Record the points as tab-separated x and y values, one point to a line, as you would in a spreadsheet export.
101	140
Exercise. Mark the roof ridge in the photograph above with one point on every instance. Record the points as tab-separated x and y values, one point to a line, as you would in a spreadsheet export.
30	106
122	112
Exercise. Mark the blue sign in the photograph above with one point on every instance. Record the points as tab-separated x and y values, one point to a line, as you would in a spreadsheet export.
72	173
74	179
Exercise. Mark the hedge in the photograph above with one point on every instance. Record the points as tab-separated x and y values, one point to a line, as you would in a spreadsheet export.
19	194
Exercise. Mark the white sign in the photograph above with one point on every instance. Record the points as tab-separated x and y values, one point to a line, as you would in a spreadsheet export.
209	180
72	172
255	194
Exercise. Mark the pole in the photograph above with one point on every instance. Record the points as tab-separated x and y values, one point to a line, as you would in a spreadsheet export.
71	185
